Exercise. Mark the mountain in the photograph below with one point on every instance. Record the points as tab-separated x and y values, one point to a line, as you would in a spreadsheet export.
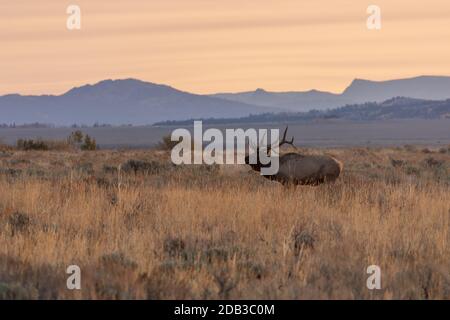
359	91
136	102
295	101
118	102
395	108
424	87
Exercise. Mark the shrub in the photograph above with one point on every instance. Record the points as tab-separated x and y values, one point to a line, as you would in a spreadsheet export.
109	169
89	144
432	163
174	246
166	143
139	166
85	168
410	148
19	222
42	145
11	172
17	291
397	163
411	170
75	137
30	144
117	260
303	239
84	142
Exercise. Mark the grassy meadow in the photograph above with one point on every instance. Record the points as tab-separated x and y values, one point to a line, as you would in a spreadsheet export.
141	228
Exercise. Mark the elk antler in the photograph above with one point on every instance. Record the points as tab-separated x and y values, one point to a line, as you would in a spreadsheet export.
255	146
284	141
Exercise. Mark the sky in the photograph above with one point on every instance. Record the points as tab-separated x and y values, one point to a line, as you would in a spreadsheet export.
208	46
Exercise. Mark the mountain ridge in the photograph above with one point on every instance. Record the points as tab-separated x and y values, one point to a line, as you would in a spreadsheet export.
359	91
396	108
120	101
133	101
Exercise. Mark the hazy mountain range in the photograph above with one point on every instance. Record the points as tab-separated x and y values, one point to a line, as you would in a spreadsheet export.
294	101
359	91
137	102
395	108
118	102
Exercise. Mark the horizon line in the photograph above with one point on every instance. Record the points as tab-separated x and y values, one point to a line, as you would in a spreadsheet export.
96	82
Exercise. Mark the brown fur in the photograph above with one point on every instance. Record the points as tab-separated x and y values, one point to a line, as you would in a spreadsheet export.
301	169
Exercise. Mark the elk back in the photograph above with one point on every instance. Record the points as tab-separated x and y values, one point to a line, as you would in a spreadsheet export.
308	169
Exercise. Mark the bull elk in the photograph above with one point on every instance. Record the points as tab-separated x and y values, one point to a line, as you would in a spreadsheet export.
298	169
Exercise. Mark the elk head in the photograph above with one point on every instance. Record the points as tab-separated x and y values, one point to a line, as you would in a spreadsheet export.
257	165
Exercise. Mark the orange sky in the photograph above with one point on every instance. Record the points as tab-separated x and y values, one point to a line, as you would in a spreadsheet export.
206	46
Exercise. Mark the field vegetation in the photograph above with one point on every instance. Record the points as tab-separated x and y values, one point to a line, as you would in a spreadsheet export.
142	228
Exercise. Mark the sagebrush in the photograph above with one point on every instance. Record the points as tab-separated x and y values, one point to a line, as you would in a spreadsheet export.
159	231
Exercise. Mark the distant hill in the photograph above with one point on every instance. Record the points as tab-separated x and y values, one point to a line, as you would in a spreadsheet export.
118	102
136	102
294	101
424	87
395	108
359	91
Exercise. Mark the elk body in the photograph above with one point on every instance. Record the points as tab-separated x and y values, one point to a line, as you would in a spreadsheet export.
298	169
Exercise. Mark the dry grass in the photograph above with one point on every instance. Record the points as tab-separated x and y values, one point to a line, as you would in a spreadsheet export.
212	232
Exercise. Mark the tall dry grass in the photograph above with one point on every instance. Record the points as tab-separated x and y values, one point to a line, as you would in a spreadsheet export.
210	232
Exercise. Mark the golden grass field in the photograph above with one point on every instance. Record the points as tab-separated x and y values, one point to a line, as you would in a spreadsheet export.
154	231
